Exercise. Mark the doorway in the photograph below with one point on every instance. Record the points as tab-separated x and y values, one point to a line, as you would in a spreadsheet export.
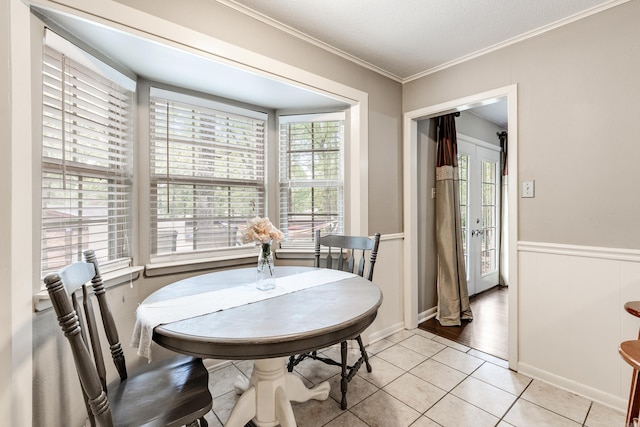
411	205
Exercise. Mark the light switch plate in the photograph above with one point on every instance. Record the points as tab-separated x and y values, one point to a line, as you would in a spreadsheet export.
528	188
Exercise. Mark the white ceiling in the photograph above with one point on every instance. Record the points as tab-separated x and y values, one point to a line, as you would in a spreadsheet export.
402	39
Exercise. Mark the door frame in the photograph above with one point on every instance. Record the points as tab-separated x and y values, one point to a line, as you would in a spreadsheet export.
410	203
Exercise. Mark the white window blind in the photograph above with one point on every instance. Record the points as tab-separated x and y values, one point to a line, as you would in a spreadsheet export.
207	173
86	164
311	176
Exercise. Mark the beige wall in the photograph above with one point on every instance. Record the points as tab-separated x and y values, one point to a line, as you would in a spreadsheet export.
578	109
578	254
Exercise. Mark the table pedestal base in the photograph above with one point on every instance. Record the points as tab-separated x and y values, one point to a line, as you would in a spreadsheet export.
266	397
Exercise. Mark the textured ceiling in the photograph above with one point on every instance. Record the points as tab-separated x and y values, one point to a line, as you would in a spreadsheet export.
407	38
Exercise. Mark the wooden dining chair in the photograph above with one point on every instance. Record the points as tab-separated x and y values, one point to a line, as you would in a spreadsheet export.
346	253
168	393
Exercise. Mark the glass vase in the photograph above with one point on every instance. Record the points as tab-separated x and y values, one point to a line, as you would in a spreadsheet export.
266	276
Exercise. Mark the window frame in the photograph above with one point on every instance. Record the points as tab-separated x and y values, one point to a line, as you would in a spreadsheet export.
161	31
316	117
95	68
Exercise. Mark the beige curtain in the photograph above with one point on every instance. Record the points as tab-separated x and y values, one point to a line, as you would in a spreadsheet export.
453	294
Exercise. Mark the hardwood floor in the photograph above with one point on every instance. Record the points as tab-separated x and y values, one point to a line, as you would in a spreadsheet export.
488	332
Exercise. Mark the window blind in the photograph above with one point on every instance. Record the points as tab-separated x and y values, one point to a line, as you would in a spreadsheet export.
207	173
86	165
311	176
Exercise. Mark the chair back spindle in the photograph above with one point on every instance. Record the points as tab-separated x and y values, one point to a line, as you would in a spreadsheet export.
96	397
109	323
343	252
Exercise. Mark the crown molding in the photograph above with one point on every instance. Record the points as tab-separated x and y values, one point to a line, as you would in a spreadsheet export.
533	33
299	34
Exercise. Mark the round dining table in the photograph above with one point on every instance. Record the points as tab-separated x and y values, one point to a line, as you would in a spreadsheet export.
269	330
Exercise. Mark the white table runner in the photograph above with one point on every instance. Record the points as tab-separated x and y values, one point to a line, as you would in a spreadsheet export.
148	316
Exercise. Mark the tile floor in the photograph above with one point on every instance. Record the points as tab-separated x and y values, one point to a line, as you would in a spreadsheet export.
422	380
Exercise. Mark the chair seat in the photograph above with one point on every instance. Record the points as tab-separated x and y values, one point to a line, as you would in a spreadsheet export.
177	383
630	352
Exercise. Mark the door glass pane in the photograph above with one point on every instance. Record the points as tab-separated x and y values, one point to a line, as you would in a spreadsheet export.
463	176
489	212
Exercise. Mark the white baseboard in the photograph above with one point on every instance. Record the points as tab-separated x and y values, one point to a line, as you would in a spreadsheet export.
427	314
381	334
590	393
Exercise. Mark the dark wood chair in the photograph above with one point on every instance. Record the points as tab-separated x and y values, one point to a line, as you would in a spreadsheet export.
169	393
345	253
630	352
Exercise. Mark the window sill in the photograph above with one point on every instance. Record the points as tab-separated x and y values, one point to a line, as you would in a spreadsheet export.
41	300
290	253
184	265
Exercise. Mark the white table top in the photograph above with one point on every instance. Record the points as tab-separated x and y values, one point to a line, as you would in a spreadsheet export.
287	324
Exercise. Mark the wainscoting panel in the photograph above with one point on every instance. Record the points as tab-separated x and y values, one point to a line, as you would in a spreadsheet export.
571	317
388	277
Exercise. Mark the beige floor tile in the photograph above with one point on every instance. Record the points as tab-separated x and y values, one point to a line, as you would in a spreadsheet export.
358	389
402	357
221	380
222	405
454	412
502	378
213	420
452	344
425	422
526	414
603	416
423	333
383	410
489	358
315	371
315	413
557	400
458	360
378	346
347	419
440	375
485	396
423	345
415	392
246	366
383	372
400	336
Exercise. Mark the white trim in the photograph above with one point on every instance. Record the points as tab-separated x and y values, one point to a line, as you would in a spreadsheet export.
383	333
410	205
427	314
615	254
19	348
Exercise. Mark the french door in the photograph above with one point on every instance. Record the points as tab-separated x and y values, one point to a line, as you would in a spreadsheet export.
479	169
